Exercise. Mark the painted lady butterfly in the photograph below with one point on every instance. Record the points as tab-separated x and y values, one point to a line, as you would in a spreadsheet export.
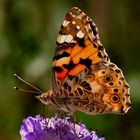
83	78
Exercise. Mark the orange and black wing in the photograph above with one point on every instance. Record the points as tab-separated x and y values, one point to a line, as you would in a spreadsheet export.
78	47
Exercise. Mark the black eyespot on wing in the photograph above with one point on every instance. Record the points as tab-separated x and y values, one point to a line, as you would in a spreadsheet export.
115	98
116	90
111	84
123	99
103	72
108	78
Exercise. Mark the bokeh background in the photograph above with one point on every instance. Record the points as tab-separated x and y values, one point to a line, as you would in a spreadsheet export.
28	31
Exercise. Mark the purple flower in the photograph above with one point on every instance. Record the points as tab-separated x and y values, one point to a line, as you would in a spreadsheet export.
40	128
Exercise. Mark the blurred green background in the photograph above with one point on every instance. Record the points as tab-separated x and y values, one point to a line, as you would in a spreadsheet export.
28	31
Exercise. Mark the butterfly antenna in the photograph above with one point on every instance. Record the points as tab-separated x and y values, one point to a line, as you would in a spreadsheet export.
18	77
29	91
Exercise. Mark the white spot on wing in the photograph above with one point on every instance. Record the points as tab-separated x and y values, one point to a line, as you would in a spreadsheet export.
77	16
87	28
99	43
65	23
73	41
61	38
78	27
73	22
65	38
80	16
69	38
80	34
58	38
91	36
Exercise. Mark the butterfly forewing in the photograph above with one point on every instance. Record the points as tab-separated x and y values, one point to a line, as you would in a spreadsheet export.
78	46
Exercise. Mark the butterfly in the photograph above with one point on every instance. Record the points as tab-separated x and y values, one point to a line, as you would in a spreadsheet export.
83	77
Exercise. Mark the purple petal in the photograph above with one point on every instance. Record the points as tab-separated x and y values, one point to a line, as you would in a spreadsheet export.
40	128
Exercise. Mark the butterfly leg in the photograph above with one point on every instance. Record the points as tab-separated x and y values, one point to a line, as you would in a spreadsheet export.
73	121
49	111
58	114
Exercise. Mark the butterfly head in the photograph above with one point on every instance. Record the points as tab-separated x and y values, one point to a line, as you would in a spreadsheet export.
115	93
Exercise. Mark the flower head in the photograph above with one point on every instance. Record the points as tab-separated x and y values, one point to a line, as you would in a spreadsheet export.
39	128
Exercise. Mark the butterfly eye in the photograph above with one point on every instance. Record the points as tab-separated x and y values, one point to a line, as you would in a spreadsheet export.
108	78
115	98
